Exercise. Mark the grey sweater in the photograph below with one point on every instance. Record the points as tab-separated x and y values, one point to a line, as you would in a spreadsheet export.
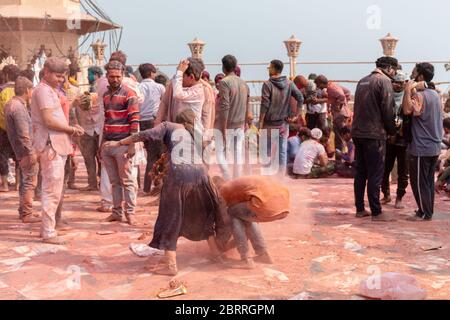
276	98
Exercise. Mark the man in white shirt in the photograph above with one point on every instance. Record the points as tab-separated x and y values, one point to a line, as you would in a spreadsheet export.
311	151
185	91
153	93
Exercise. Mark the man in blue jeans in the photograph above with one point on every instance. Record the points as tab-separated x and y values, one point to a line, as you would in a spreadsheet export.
244	228
276	112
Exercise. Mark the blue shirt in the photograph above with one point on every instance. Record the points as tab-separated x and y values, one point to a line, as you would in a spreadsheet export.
152	93
427	127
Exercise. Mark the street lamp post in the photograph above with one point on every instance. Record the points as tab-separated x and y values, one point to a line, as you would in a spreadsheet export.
389	44
99	52
293	48
196	47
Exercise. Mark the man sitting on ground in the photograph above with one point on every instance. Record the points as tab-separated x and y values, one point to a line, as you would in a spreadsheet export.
444	159
310	152
443	182
446	139
345	158
295	142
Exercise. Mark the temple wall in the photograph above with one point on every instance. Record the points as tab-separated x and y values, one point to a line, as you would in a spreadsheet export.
42	3
31	41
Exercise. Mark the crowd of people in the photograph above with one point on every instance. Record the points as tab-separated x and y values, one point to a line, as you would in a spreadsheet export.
175	127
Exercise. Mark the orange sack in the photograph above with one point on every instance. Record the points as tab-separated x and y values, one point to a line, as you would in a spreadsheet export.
268	199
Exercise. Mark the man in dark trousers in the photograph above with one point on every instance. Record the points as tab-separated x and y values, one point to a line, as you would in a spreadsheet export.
424	104
373	121
396	148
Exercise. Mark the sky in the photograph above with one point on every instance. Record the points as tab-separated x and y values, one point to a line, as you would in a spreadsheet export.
254	31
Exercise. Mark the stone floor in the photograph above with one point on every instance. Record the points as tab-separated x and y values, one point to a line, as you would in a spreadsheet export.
321	251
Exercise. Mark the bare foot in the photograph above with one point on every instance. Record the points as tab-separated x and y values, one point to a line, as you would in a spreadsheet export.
55	240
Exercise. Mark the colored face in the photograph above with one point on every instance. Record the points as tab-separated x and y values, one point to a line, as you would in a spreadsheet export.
91	77
188	81
415	76
321	86
115	78
392	71
54	79
398	86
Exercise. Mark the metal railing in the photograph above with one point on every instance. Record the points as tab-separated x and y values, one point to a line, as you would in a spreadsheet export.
257	82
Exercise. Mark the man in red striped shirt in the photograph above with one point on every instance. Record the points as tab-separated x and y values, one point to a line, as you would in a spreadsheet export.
121	120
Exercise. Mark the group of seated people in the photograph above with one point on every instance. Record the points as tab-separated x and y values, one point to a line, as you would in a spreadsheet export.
443	182
310	151
311	154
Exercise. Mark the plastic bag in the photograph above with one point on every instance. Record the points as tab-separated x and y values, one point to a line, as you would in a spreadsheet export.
143	250
392	286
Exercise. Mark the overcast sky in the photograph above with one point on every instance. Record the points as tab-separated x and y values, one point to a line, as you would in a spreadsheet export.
254	30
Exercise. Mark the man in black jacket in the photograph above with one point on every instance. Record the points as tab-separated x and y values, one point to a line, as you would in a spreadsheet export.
373	120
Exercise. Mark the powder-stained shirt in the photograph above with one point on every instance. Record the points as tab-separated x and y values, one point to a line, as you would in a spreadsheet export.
153	93
199	98
18	125
309	152
121	114
102	85
234	95
338	98
188	98
427	124
265	197
91	120
46	97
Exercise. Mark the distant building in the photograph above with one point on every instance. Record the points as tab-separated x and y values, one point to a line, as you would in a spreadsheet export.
30	27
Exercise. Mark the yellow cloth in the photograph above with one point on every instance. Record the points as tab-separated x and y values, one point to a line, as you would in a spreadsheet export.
6	95
73	81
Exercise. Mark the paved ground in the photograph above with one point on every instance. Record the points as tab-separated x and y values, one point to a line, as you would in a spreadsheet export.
321	252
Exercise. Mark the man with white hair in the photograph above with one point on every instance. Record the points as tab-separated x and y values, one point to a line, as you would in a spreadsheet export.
51	141
312	151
